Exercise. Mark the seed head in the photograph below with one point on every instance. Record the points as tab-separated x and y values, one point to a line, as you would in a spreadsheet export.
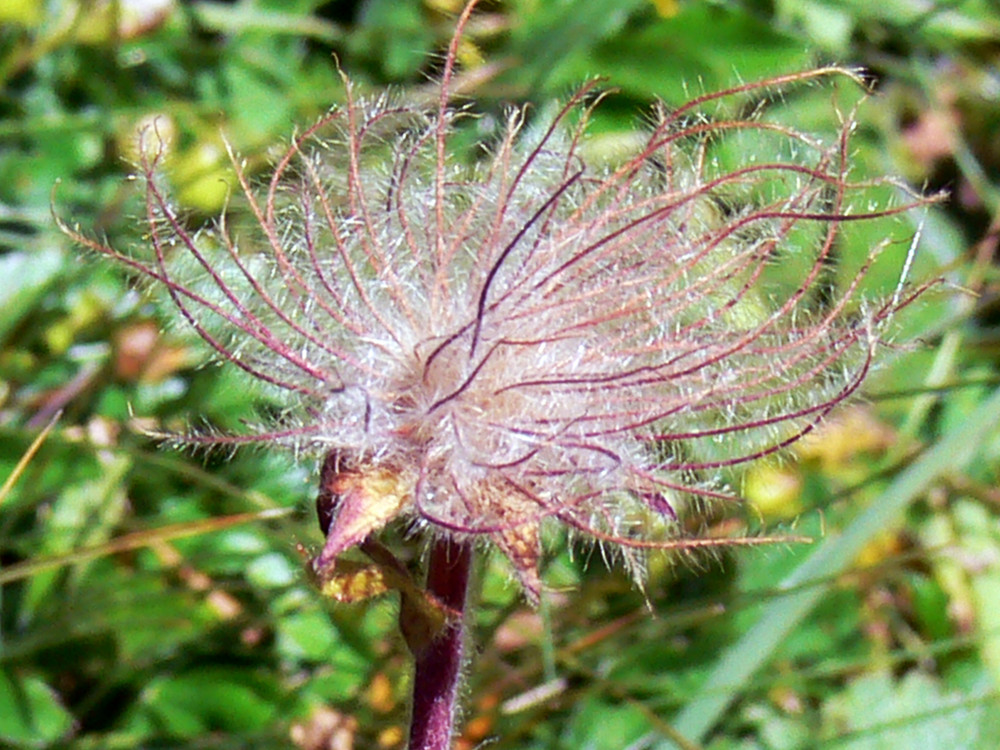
482	348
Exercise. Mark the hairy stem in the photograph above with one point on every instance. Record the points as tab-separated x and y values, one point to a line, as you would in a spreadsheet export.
439	665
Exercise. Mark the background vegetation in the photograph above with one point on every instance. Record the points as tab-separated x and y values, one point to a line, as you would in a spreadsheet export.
153	598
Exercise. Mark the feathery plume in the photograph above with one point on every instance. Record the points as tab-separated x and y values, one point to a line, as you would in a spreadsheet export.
483	348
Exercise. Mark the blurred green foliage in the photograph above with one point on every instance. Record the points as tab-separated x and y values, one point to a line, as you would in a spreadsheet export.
216	639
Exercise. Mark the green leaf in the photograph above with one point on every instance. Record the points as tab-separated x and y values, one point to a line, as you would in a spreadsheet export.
31	273
598	725
31	713
209	699
704	46
878	713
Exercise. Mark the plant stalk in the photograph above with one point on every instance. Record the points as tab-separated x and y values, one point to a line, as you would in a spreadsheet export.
439	666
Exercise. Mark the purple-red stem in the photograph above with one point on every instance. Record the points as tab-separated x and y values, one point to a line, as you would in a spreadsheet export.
439	667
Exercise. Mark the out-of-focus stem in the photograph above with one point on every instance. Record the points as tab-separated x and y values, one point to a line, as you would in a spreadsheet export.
439	666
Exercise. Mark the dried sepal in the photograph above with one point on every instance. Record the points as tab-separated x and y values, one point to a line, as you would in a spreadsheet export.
353	582
421	620
421	616
353	503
